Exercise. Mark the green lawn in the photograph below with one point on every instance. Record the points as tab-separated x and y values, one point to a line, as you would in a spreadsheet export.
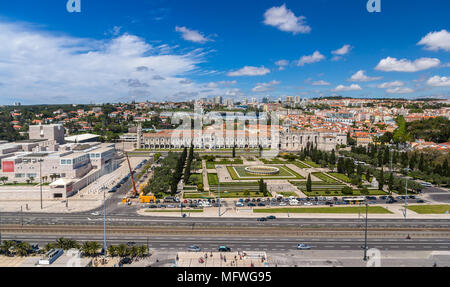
213	179
239	173
430	209
324	177
353	209
311	163
195	179
210	165
300	164
273	161
331	192
239	194
341	176
175	210
196	195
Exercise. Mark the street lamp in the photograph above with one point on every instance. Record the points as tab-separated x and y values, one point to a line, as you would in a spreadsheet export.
406	192
220	203
365	232
40	180
104	221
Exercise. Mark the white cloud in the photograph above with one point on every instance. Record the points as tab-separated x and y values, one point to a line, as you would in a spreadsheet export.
360	76
236	93
42	67
436	40
400	90
282	64
342	51
227	83
212	85
320	83
394	65
391	85
192	35
285	20
249	71
438	81
342	88
315	57
265	87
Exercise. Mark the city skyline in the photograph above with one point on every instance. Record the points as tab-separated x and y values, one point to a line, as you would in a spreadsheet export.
175	51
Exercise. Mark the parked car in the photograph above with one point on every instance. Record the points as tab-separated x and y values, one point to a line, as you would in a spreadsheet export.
251	204
261	204
239	204
126	260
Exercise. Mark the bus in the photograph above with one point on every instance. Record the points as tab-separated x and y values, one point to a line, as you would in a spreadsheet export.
354	200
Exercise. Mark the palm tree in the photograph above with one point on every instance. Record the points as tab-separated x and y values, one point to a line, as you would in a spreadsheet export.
6	247
90	248
112	250
4	179
66	244
48	247
143	251
22	249
122	250
134	250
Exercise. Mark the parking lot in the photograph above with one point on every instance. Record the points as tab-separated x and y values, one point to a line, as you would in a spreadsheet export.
291	201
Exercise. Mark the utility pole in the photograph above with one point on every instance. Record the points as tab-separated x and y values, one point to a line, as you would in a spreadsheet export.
21	215
406	196
40	180
104	222
390	170
220	203
406	192
365	232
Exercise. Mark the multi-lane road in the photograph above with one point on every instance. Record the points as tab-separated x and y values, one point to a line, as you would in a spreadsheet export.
128	219
182	243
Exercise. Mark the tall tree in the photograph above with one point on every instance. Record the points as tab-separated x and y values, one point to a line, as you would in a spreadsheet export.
309	184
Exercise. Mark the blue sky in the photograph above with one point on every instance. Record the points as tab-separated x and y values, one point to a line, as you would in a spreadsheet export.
176	50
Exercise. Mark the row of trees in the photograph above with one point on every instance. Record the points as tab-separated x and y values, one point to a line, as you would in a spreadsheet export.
187	170
88	248
178	172
263	188
162	178
428	165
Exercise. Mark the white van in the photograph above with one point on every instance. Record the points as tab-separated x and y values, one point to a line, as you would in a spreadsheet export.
293	202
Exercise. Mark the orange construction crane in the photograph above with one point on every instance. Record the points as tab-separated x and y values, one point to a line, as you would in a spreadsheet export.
135	192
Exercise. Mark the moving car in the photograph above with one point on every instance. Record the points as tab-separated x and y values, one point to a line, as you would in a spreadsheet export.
271	217
303	246
224	249
194	248
262	219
